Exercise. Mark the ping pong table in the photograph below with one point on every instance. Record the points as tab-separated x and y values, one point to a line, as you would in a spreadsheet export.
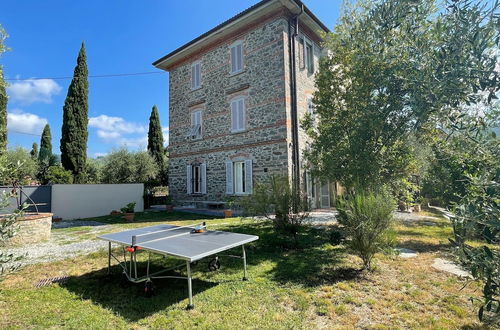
189	243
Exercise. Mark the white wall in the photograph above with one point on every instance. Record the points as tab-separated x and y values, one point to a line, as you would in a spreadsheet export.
78	201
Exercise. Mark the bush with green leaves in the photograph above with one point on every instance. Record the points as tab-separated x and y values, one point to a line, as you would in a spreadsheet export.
57	175
280	202
21	166
123	166
129	208
8	218
367	217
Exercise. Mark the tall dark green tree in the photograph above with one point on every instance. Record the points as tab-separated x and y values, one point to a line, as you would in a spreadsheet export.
75	121
45	147
155	141
34	150
3	98
3	115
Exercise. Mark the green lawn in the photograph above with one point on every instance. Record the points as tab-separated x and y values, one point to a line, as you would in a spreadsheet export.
318	285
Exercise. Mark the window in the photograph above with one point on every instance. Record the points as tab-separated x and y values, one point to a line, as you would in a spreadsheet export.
196	75
237	57
196	178
238	115
239	177
194	131
309	57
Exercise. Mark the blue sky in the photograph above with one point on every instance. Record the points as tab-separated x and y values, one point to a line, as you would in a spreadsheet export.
120	37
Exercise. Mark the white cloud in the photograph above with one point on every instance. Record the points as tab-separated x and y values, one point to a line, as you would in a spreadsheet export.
115	124
118	131
33	90
25	122
165	131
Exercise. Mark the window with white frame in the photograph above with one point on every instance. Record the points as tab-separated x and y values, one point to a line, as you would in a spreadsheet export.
309	56
196	124
239	177
238	114
237	56
196	178
196	75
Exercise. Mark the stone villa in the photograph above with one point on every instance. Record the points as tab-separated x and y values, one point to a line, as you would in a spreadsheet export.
237	94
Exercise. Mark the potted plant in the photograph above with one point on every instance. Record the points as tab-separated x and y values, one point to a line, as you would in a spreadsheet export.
169	204
128	211
115	213
228	212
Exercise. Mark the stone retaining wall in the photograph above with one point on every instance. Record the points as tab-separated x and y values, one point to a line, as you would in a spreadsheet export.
33	228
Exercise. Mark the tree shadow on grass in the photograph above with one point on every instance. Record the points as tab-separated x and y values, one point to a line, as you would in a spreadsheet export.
157	216
424	247
129	301
312	263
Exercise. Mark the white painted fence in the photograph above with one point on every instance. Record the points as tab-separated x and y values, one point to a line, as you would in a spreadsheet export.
78	201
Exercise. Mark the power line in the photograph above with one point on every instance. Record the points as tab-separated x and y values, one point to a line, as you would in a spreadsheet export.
19	132
92	76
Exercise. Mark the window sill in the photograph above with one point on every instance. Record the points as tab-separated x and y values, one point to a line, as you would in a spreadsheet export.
196	194
196	89
196	139
239	131
232	74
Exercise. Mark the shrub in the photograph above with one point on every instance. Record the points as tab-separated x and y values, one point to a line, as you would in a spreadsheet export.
367	218
57	175
20	165
277	197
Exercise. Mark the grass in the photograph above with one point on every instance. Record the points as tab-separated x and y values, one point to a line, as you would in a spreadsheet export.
319	285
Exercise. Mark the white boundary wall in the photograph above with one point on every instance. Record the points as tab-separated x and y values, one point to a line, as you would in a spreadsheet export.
79	201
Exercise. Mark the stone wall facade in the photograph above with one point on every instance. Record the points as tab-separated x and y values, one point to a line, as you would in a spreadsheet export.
32	229
264	85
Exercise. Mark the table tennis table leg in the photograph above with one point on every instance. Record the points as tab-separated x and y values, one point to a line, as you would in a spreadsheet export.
190	288
109	257
245	278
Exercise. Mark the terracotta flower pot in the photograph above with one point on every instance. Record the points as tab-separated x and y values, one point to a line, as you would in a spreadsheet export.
228	213
170	208
115	213
129	216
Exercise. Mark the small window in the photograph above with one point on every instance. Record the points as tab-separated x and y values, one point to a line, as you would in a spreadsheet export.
309	57
196	124
238	115
237	57
196	179
239	177
196	75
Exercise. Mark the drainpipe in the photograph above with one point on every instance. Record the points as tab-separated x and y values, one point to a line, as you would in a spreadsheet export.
292	33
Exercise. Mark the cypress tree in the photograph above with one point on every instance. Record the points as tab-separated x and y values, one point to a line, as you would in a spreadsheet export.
45	146
75	120
155	139
34	151
3	115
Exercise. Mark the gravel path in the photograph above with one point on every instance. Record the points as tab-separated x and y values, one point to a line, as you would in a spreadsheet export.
59	246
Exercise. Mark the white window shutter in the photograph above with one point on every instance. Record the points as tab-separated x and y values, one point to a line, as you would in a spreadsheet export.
234	115
198	75
193	77
240	57
203	168
248	176
189	179
241	115
233	59
229	177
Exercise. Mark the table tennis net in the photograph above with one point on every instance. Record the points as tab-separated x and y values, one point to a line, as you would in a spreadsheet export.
161	234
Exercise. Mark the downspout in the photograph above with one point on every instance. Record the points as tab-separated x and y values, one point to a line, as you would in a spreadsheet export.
293	32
